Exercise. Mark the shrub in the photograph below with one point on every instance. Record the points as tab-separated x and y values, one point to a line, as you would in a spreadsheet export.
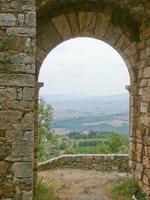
126	189
44	191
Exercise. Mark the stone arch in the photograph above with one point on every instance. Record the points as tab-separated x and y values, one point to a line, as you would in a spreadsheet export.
96	24
118	25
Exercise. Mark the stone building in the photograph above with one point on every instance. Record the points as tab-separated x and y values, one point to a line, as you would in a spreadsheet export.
29	30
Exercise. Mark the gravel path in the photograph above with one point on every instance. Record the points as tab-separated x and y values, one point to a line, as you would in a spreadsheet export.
76	184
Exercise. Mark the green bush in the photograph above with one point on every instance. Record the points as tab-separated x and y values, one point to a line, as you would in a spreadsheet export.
44	191
127	188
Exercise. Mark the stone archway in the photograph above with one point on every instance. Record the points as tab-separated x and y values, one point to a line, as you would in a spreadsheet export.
123	25
116	26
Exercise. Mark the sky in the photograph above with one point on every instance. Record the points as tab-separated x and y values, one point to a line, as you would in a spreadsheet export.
83	66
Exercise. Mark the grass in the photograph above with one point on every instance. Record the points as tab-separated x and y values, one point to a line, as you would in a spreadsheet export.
44	191
126	189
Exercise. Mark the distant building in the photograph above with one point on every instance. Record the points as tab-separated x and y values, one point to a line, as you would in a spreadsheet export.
86	133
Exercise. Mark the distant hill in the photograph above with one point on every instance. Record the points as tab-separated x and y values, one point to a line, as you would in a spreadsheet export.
95	113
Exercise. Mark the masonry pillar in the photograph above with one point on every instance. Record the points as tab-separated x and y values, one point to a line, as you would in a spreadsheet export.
17	93
142	132
38	86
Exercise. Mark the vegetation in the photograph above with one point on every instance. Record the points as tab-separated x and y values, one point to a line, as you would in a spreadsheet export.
88	123
44	191
125	189
52	145
47	141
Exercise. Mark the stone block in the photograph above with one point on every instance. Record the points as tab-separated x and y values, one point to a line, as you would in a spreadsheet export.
7	19
131	49
22	149
62	26
28	136
22	32
143	83
23	5
146	180
10	116
21	18
22	58
87	23
3	168
101	25
5	151
73	20
14	135
112	34
144	106
17	80
29	117
20	105
146	73
30	19
22	169
28	93
11	43
24	126
7	93
18	68
146	162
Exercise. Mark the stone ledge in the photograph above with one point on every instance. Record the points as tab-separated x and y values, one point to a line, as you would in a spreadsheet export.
103	162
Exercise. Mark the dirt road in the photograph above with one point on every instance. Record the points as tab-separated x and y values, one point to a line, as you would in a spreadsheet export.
76	184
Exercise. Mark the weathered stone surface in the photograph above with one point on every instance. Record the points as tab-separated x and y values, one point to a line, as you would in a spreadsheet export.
21	149
18	68
101	25
28	136
22	58
87	23
17	80
112	34
5	150
143	83
28	93
20	105
29	117
92	161
14	135
22	169
24	126
7	93
146	73
62	26
10	116
30	19
7	19
3	167
22	32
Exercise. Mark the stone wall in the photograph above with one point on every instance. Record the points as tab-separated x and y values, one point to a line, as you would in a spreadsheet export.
17	89
102	162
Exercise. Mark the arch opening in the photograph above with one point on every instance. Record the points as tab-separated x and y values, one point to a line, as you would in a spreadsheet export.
86	71
77	74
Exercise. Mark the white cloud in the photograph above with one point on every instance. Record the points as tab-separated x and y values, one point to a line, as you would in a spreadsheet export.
86	66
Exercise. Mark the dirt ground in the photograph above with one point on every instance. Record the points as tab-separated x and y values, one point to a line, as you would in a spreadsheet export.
76	184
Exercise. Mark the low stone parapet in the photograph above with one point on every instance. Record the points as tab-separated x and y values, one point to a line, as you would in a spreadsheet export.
100	162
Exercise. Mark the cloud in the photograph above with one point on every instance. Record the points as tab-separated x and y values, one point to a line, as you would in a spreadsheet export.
85	66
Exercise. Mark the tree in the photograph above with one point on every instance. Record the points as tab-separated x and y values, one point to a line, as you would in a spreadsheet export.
47	141
116	143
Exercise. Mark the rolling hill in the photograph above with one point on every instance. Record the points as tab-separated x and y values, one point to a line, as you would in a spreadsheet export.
95	113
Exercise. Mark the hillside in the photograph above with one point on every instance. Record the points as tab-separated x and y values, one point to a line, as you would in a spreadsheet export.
95	113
